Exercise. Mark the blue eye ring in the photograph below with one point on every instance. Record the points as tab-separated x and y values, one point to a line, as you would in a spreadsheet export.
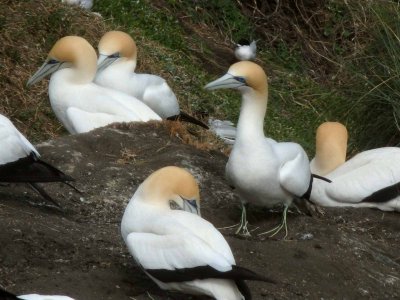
240	79
53	61
115	55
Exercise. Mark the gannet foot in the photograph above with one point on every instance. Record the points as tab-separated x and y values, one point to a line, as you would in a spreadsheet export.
278	228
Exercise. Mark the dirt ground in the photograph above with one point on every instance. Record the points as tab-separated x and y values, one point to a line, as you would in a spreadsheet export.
345	254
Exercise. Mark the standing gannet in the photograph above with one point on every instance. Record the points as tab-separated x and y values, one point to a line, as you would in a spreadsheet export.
19	161
78	103
4	295
369	179
177	248
263	171
116	66
246	51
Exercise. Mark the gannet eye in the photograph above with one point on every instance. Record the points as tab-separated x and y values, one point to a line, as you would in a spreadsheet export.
174	206
52	61
240	79
115	55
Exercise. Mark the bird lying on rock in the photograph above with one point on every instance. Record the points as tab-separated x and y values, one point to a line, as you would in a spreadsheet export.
78	103
369	179
262	171
174	246
20	162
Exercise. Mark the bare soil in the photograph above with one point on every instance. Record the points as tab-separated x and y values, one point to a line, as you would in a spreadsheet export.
78	251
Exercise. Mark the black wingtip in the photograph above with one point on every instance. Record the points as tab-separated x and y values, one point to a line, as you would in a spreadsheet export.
43	193
187	118
246	274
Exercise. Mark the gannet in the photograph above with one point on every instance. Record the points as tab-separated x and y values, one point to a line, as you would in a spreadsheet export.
246	51
4	295
78	103
175	247
369	179
263	171
20	162
86	4
116	65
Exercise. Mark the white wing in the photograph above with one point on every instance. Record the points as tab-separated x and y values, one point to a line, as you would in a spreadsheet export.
173	246
13	145
294	173
357	179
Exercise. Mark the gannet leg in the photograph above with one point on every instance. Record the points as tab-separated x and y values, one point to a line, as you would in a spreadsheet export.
276	229
242	229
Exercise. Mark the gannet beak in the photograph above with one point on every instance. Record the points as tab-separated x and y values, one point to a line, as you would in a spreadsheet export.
49	67
227	81
191	206
105	60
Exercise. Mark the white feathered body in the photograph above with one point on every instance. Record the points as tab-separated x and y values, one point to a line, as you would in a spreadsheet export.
246	52
174	239
43	297
150	89
86	4
13	145
84	107
359	177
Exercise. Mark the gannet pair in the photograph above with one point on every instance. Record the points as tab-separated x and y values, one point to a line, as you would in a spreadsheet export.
246	51
79	104
175	247
263	171
369	179
116	65
19	161
4	295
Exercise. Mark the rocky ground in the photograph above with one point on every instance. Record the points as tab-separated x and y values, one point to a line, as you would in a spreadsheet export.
78	251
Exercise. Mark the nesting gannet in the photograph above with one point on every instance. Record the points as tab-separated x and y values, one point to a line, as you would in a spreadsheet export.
4	295
369	179
246	51
116	65
78	103
263	171
86	4
19	161
177	248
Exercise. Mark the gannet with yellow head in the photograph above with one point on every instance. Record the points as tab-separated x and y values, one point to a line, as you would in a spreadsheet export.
369	179
78	103
116	65
263	171
176	248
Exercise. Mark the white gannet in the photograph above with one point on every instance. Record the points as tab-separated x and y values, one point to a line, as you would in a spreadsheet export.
78	103
86	4
4	295
116	65
263	171
246	51
369	179
19	161
176	248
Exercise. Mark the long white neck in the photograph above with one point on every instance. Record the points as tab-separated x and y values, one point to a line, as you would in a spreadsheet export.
251	120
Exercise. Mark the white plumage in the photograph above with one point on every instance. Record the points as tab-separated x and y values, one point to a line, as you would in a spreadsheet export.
78	103
369	179
166	236
43	297
86	4
262	171
245	51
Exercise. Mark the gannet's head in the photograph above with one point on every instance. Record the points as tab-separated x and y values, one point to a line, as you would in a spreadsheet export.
330	147
172	188
242	75
68	52
115	45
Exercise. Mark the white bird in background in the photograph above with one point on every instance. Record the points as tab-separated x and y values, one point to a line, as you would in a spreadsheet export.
369	179
86	4
116	65
175	247
246	51
263	171
19	161
4	295
78	103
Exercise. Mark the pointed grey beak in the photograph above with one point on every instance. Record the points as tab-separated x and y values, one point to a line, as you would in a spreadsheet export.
105	60
191	206
47	68
227	81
